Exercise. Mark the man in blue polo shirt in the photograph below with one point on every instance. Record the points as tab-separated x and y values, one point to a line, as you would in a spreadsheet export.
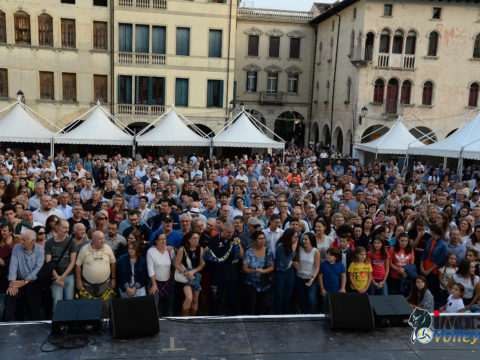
174	238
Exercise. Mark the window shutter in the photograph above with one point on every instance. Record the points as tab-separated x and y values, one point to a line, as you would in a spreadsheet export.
221	94
158	39
150	91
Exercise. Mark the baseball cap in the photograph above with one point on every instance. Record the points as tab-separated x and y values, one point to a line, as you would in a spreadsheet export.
167	218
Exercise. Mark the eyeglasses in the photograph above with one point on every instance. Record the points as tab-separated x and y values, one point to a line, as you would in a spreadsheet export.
41	233
102	218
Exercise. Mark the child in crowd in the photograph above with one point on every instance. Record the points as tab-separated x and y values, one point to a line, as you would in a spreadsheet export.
360	271
420	296
332	275
378	257
345	251
455	302
445	273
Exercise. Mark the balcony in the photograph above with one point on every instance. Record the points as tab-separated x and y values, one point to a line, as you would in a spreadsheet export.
396	61
363	59
137	110
279	15
272	98
126	58
143	4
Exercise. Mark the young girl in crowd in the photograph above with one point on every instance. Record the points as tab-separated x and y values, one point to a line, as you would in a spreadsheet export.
360	271
379	259
420	296
455	302
400	255
445	273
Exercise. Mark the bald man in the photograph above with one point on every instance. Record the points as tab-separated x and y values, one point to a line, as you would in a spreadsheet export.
95	270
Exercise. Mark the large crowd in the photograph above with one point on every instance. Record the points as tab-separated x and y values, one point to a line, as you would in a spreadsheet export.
246	235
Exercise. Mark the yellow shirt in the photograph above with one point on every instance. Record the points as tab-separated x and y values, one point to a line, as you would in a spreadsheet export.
95	264
360	274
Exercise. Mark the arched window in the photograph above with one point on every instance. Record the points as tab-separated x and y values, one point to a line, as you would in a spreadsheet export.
22	28
406	92
476	47
473	95
320	48
427	94
378	92
349	90
369	42
432	44
3	28
411	43
385	41
397	46
327	93
392	96
45	30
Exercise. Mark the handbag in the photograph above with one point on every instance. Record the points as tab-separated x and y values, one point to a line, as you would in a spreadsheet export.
179	276
44	276
267	278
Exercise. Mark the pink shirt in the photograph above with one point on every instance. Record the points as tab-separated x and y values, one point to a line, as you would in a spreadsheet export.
378	265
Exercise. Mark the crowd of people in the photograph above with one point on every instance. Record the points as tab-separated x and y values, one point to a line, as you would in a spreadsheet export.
247	235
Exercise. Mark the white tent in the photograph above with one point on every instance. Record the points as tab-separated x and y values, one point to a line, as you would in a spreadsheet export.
463	143
244	131
100	128
20	125
171	131
395	141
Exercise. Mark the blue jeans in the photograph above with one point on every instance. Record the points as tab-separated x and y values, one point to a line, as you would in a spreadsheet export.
372	290
2	305
475	308
63	293
284	282
306	294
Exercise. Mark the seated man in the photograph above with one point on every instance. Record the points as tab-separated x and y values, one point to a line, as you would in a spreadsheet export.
26	261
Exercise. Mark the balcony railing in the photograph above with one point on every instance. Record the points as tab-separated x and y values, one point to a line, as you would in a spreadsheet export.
140	110
126	58
275	14
272	98
144	4
396	61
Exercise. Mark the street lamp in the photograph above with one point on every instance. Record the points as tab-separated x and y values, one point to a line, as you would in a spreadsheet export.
362	114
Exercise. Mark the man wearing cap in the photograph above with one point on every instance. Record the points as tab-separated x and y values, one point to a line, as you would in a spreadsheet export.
174	238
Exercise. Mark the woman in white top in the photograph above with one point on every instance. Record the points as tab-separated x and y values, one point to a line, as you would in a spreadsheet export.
466	276
323	241
113	179
307	265
465	230
160	261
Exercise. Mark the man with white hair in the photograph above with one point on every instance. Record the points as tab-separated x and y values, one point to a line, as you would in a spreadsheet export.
26	261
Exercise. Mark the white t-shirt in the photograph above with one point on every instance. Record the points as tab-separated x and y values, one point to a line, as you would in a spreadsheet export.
454	305
467	283
159	265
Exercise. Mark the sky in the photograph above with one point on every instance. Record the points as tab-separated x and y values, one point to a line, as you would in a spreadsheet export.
300	5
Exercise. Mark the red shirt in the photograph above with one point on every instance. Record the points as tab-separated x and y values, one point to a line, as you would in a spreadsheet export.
378	265
399	259
5	252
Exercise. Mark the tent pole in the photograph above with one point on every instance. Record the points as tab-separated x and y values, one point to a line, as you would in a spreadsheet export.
444	162
52	147
134	141
211	148
405	162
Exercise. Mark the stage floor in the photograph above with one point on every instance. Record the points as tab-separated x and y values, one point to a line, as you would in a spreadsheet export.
287	338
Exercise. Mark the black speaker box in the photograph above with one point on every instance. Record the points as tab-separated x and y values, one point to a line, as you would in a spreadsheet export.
350	311
134	317
75	315
391	307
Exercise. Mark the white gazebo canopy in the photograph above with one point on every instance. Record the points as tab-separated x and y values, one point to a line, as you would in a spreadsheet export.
464	143
394	141
243	130
171	131
99	128
20	125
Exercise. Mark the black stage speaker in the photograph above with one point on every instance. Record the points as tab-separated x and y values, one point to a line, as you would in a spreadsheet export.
390	307
350	311
133	317
75	315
